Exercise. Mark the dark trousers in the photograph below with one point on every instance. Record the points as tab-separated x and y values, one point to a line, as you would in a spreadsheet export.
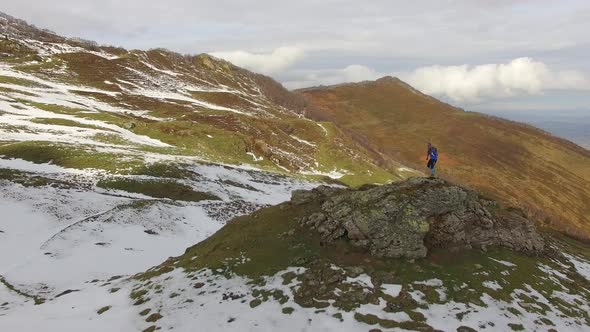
431	163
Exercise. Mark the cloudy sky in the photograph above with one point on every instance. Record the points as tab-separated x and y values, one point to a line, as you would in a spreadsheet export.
500	55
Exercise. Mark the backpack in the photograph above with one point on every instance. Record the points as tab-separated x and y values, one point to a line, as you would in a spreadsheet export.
433	153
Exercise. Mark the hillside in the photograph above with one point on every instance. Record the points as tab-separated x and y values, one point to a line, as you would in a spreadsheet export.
282	267
547	176
151	191
110	100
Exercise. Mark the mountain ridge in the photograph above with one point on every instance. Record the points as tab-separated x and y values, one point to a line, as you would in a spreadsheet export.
233	115
484	152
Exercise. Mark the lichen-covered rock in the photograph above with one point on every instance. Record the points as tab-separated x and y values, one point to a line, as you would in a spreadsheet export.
405	219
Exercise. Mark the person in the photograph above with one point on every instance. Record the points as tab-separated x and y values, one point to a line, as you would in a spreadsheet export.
431	157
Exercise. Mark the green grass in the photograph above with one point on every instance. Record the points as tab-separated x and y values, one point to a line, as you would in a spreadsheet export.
64	122
224	138
331	156
165	170
9	90
59	109
257	237
191	138
103	310
264	238
44	65
153	318
114	139
158	189
69	156
20	81
31	180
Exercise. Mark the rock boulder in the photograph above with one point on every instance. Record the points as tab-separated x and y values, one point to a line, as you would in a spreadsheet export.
407	218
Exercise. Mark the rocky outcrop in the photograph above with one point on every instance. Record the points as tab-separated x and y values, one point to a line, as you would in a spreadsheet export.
405	219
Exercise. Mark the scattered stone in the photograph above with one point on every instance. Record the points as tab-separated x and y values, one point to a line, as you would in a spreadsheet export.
151	232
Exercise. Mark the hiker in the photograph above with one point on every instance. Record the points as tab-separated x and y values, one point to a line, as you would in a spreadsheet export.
432	157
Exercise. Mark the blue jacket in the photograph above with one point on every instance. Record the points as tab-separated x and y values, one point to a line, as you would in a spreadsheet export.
432	153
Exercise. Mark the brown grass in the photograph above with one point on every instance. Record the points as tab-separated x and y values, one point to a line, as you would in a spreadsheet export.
519	164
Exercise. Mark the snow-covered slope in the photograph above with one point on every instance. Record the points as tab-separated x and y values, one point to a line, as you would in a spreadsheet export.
79	257
60	233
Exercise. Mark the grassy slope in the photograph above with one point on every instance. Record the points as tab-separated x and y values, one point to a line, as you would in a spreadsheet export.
218	136
516	163
272	241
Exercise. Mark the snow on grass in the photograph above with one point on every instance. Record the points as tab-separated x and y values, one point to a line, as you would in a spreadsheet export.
430	282
391	289
76	311
583	267
177	96
377	310
154	68
27	166
492	284
494	315
21	116
323	128
362	280
47	49
266	188
64	227
555	275
254	157
333	174
61	94
407	169
300	140
505	263
218	311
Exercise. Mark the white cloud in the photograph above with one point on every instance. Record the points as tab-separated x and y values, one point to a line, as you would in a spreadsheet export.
269	63
352	73
357	73
521	76
462	84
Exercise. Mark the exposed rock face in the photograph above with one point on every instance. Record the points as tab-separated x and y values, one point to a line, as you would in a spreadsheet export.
405	219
